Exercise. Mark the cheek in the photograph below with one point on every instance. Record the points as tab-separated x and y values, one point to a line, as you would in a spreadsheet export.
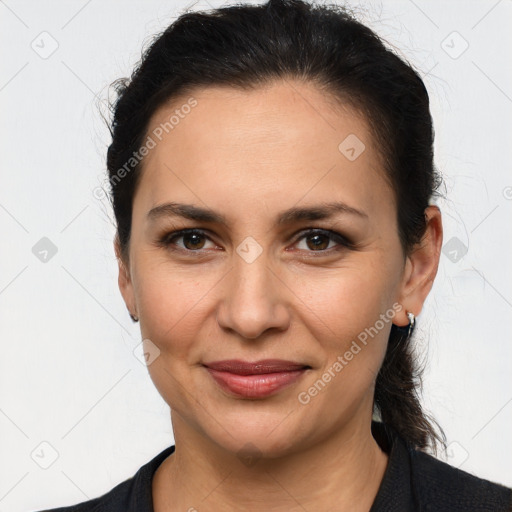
334	310
172	303
172	311
343	302
352	341
349	317
333	304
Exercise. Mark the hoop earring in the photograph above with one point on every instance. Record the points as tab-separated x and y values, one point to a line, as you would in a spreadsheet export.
412	321
407	330
134	318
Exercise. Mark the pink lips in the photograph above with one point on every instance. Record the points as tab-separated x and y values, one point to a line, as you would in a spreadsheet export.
255	379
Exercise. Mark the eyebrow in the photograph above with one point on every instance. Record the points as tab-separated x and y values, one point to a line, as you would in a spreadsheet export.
295	214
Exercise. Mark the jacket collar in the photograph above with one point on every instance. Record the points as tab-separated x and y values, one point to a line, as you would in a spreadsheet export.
395	491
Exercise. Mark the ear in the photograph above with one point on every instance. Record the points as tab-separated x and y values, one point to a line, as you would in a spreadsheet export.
124	279
421	267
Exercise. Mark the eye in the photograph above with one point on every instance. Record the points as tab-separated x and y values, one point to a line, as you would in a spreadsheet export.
319	240
193	239
313	239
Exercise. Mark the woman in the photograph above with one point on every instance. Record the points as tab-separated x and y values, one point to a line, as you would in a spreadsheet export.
272	179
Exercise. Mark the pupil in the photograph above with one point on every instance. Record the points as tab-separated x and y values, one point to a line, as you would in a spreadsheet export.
318	242
193	235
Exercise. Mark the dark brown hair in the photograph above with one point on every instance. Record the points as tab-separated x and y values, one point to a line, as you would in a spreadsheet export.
246	46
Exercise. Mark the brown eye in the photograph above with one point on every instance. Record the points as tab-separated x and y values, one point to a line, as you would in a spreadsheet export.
193	240
320	241
315	240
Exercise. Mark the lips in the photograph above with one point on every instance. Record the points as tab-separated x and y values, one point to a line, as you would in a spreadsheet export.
256	379
239	367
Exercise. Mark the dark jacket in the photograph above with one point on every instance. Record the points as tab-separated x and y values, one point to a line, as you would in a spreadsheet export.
413	481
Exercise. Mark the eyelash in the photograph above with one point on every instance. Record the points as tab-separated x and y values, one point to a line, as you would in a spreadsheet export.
168	239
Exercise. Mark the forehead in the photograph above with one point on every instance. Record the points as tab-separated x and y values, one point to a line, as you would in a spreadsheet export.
281	143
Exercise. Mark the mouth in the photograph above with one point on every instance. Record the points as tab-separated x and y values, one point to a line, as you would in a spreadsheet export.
257	379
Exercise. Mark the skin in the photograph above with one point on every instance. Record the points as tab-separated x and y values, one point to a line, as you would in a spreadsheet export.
249	155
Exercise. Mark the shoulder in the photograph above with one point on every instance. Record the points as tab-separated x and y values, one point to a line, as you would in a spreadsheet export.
415	481
132	495
115	500
440	486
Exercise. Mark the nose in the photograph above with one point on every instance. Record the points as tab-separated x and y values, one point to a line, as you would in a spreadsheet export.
254	300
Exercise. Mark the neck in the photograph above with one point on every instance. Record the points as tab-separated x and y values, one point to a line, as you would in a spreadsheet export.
345	469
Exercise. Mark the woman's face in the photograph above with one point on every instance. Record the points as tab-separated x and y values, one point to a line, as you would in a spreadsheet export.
259	286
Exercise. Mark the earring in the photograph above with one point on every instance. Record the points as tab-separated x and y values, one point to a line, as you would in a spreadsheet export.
134	318
412	321
406	330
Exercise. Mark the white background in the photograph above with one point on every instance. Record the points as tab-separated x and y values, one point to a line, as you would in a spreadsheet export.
68	375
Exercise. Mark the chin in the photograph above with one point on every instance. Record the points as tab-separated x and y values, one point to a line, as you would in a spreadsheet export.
257	434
